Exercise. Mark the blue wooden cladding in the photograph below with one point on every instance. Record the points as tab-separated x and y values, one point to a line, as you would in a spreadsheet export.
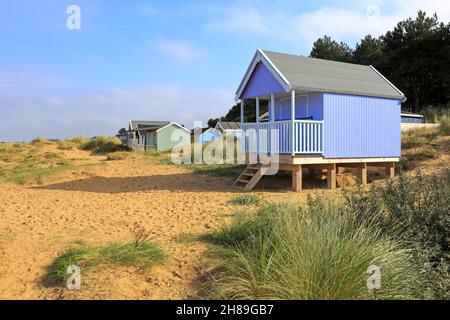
261	82
343	126
358	126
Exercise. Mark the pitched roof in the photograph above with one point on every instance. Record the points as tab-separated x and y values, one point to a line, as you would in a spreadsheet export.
143	124
319	75
229	125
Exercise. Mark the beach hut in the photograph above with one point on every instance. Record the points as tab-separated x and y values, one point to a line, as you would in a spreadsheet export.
409	117
208	135
157	135
322	115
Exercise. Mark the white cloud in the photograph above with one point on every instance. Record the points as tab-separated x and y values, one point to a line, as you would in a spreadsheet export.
239	19
344	23
181	51
26	116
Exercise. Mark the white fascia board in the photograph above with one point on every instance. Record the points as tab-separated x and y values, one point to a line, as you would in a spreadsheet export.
175	123
411	115
260	56
392	85
218	126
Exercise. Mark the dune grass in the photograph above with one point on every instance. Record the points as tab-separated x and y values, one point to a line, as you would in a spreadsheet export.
318	252
143	256
245	200
103	144
21	162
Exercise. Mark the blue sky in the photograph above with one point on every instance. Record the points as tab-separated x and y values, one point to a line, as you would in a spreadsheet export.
156	60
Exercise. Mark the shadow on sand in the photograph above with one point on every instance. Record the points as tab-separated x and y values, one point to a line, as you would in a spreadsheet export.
170	182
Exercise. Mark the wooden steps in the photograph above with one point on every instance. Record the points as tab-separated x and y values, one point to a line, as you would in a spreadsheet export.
249	178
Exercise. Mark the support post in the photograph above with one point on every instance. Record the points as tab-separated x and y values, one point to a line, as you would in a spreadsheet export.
293	122
257	127
242	137
271	121
272	108
390	169
242	112
363	173
331	176
297	178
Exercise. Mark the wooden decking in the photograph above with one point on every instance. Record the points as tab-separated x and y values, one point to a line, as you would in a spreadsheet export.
252	174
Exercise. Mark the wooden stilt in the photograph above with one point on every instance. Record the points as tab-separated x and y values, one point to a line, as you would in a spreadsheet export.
362	173
331	176
390	169
297	179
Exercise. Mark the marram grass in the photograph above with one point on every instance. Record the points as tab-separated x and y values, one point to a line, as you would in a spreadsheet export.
319	252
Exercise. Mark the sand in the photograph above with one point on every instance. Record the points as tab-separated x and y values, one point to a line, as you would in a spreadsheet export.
97	205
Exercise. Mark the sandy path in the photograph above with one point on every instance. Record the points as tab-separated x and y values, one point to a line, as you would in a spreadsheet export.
97	205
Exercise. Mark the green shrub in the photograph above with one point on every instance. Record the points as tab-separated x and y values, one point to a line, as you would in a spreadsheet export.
444	124
103	144
39	141
417	211
319	252
245	200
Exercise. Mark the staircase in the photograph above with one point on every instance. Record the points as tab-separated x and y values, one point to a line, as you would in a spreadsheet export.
249	178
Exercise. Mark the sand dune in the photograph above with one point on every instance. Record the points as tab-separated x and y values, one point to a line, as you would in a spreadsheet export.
97	205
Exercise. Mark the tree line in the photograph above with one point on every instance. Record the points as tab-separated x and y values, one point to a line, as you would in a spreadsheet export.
415	56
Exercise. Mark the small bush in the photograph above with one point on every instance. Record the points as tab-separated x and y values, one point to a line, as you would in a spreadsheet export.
444	124
417	211
245	200
104	144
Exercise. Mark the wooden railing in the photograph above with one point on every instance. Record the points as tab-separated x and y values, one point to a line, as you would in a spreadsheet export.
276	137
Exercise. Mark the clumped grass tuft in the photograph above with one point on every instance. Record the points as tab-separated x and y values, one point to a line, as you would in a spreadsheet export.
139	253
78	140
318	252
245	200
57	272
143	256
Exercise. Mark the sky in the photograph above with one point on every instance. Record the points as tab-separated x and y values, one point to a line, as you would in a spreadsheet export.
157	60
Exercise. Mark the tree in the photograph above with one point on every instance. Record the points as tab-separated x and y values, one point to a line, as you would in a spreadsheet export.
417	54
369	52
212	122
122	132
326	48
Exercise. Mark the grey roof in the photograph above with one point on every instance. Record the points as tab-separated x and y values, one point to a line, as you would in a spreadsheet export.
230	125
143	124
310	74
